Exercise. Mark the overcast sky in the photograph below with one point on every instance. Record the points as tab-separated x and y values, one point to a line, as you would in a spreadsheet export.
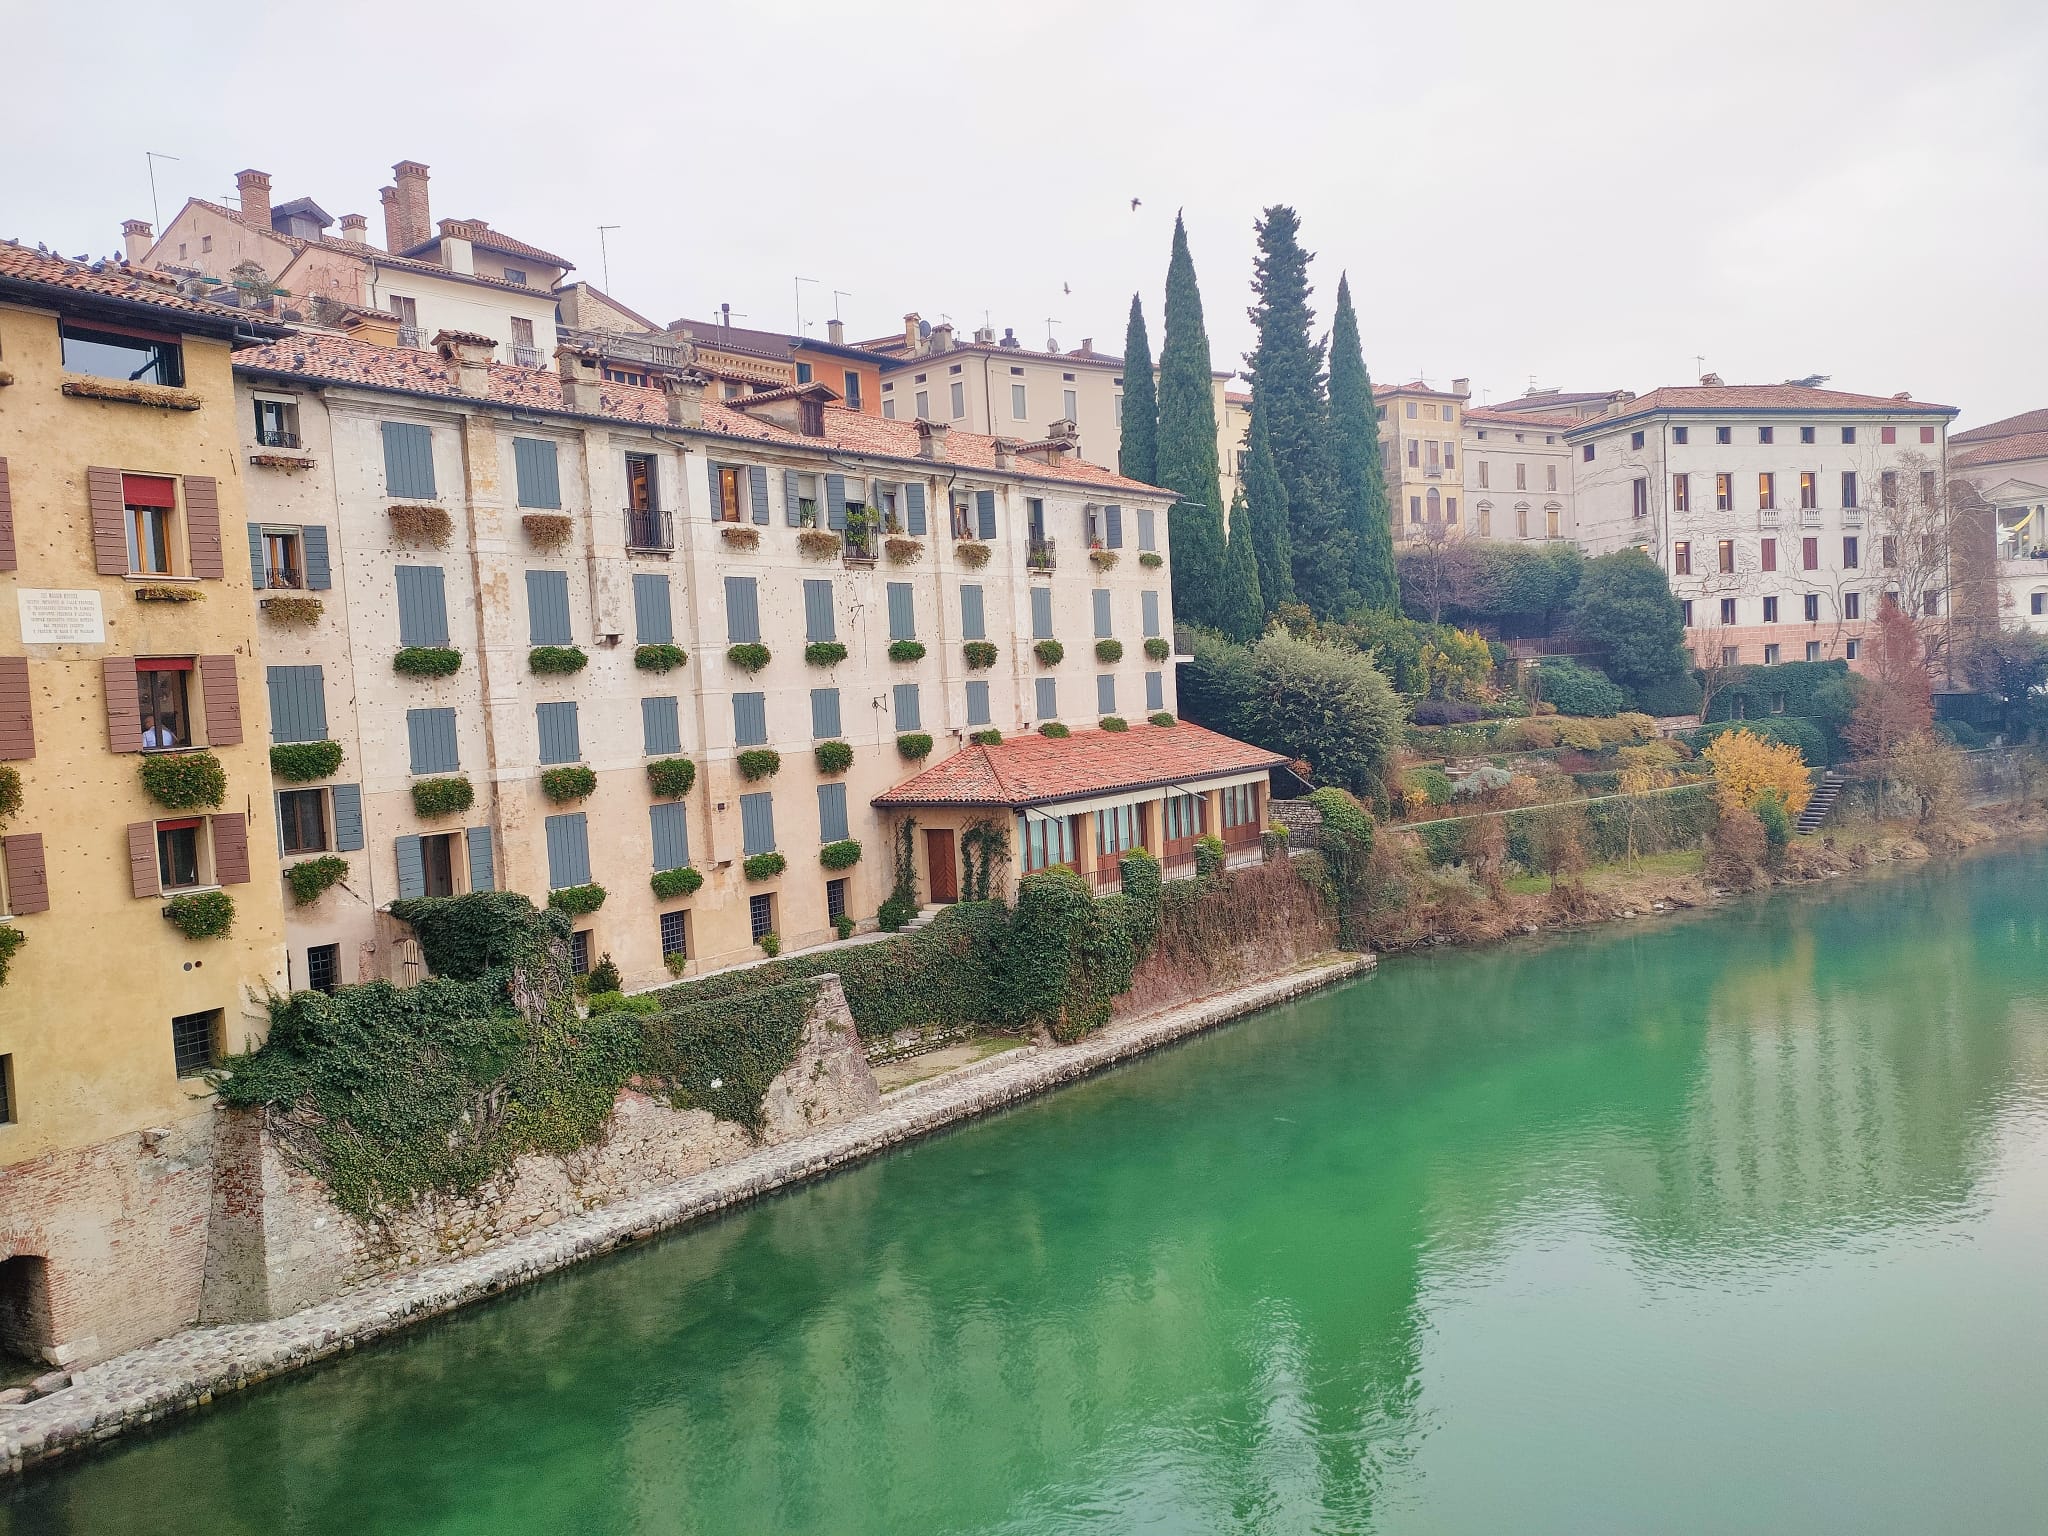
1588	194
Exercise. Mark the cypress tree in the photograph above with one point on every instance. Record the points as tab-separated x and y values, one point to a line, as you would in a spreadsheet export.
1239	613
1286	370
1140	456
1267	500
1187	442
1355	450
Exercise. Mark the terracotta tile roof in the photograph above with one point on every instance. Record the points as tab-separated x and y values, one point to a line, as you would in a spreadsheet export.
364	252
2024	424
340	360
129	285
1413	387
894	358
811	391
2003	450
481	235
1041	770
1492	416
1759	397
1551	397
1234	397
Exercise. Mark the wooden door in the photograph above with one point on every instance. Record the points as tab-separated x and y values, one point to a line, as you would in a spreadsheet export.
941	867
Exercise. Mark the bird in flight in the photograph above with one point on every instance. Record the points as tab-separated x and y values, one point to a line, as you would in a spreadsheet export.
1135	202
1066	288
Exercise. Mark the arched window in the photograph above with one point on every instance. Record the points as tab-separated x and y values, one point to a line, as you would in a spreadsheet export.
1521	519
1433	506
1486	519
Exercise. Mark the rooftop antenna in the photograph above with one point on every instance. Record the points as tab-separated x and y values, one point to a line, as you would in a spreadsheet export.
837	295
604	256
1699	365
1050	344
150	158
798	284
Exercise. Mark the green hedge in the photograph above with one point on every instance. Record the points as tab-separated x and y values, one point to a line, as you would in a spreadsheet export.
427	661
1577	690
1805	735
185	781
301	762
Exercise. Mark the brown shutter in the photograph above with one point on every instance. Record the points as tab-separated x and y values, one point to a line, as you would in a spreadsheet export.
230	849
142	858
17	718
223	701
124	708
6	521
202	527
110	521
28	885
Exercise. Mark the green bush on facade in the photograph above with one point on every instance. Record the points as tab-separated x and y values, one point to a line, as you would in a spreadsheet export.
659	658
202	914
671	883
1210	855
309	879
604	977
1160	717
914	745
833	756
771	943
843	925
1109	651
824	653
1055	730
442	797
1049	652
1151	560
748	657
843	854
577	900
564	785
11	939
1157	649
10	791
556	660
764	866
184	781
906	650
301	762
427	661
671	777
991	737
979	655
757	763
1112	723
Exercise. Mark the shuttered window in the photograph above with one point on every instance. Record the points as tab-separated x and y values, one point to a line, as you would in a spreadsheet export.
1155	690
977	704
422	605
750	719
298	704
1148	613
408	459
1041	613
1145	536
669	823
230	848
902	612
653	618
757	824
819	620
907	713
824	713
17	713
568	840
346	801
1105	693
559	739
832	813
835	501
28	881
742	611
533	464
319	569
221	695
660	728
1048	692
1113	526
914	516
412	869
792	498
973	621
483	866
547	607
7	556
431	735
985	513
757	491
1100	597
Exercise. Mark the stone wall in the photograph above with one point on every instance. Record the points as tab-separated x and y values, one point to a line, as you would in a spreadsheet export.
1261	921
277	1243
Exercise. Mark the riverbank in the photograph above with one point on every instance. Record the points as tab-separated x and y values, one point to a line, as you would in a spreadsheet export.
190	1369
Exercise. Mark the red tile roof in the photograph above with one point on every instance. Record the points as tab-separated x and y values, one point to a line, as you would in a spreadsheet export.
1412	387
1493	416
481	235
1042	770
1759	397
340	360
2002	450
130	285
362	252
2026	423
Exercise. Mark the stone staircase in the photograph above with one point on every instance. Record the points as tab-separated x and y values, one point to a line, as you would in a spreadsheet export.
924	917
1823	802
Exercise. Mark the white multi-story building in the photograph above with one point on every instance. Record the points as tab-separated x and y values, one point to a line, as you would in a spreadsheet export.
2006	464
1782	514
1518	475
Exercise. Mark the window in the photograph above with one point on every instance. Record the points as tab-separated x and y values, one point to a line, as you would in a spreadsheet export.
1930	604
675	935
757	823
1731	656
742	611
195	1042
1928	493
1724	434
1019	403
1724	493
1411	410
1550	477
1155	690
824	713
1678	434
1486	519
1927	434
302	820
732	490
1685	612
579	952
889	407
1809	554
660	725
1809	490
1552	519
1240	805
277	424
851	393
1046	695
2037	604
1483	479
7	1115
282	569
1521	477
835	900
1117	829
1806	434
1768	555
1681	559
323	967
1770	610
1046	841
1848	434
408	459
1848	488
150	509
131	357
1887	434
1888	489
750	719
1433	499
1639	496
1764	435
1070	405
1414	453
536	472
1888	551
560	737
1725	562
760	915
1766	491
1853	648
1811	605
422	605
1813	650
1770	655
959	393
1852	605
902	611
1849	552
977	704
163	699
1727	610
177	854
924	405
1521	519
1635	439
1414	509
437	863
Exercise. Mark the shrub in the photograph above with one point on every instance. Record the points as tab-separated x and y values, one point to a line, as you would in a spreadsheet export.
310	878
1428	783
1210	856
1327	704
462	937
1624	606
1577	690
1803	736
421	525
906	650
1049	652
758	763
681	881
1777	824
1579	734
979	655
202	914
1151	560
577	900
10	791
764	866
771	944
833	756
1960	733
604	976
1109	651
1161	717
11	939
1112	723
1746	768
301	762
184	781
971	553
1054	729
824	653
843	925
659	658
671	777
442	797
1157	648
563	785
840	855
1443	712
915	745
427	661
748	657
902	551
1528	735
1737	849
549	531
556	660
991	737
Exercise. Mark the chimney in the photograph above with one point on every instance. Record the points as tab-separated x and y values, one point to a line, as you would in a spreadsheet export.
412	223
1006	453
686	397
355	229
1710	378
1461	386
582	384
910	322
1009	338
942	336
1063	431
835	332
1087	347
457	254
135	236
931	439
255	189
394	221
472	355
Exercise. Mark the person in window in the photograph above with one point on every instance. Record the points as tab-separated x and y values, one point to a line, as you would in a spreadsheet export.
152	736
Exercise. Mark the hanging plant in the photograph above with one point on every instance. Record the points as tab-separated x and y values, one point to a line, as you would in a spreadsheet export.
201	914
988	738
833	756
1050	652
757	763
1109	650
1112	723
1103	559
671	883
904	551
310	878
818	543
915	745
659	658
427	661
10	792
562	785
972	553
421	525
671	777
748	656
1054	729
184	781
824	653
1160	717
548	532
442	797
1151	560
741	535
843	854
301	762
979	655
168	594
1157	648
11	939
577	900
556	660
906	650
293	610
764	866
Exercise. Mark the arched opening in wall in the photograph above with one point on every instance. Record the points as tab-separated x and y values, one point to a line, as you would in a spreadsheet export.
26	1329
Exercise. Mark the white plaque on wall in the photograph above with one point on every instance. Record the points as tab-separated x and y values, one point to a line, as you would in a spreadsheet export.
61	617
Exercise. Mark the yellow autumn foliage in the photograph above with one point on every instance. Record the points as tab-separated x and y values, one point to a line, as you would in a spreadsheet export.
1746	768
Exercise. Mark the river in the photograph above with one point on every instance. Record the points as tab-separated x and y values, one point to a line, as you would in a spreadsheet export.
1730	1223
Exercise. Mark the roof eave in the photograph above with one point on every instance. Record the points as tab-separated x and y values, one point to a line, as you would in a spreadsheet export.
232	329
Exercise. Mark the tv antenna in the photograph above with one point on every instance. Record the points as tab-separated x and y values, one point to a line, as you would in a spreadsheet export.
150	158
798	285
837	295
604	255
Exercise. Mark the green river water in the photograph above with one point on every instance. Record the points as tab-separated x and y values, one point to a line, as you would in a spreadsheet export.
1731	1223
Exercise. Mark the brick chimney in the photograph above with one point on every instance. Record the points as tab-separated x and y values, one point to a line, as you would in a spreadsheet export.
910	335
686	397
255	189
406	219
931	439
1461	386
835	332
1006	453
355	229
472	354
582	382
136	239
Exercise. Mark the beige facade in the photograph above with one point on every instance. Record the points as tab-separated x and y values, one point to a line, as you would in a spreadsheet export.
2006	464
1517	474
1421	445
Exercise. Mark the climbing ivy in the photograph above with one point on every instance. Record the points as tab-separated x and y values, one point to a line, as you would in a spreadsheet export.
202	914
900	905
984	847
11	939
309	879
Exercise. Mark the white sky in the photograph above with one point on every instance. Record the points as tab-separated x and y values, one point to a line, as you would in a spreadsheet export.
1587	192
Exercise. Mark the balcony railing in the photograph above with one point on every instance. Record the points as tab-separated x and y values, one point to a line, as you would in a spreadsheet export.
522	357
416	337
276	437
650	528
283	578
1809	517
860	543
1041	555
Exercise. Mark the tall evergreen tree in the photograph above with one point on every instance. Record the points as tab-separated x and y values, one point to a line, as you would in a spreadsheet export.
1140	454
1239	612
1355	452
1267	500
1187	442
1286	370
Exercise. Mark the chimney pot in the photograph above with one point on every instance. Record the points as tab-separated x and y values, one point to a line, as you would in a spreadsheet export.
942	336
1087	347
472	355
686	397
355	229
137	239
255	189
835	332
910	331
931	439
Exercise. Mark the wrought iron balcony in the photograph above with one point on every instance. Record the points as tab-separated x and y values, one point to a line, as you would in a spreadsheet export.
523	357
283	578
650	528
1041	555
416	337
276	437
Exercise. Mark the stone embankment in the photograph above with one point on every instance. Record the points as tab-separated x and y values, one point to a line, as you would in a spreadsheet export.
191	1368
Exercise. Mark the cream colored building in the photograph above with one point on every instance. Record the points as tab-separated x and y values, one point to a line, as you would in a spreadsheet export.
1517	475
2006	464
1422	447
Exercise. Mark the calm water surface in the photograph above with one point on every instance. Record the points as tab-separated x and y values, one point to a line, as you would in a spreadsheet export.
1731	1224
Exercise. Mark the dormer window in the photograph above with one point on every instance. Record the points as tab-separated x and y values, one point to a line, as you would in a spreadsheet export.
811	417
514	275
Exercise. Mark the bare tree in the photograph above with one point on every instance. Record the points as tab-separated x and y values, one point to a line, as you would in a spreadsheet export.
1434	558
